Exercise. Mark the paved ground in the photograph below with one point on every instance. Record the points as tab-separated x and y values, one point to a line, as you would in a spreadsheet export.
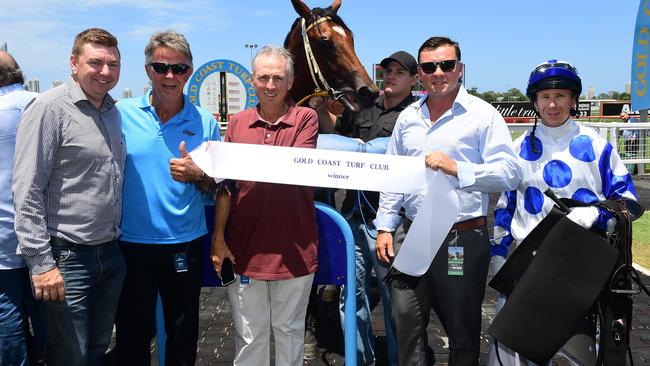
216	343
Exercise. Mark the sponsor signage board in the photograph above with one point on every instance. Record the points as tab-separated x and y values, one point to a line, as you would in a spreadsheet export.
224	87
516	112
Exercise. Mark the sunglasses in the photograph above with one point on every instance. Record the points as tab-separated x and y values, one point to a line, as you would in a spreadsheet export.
162	68
431	67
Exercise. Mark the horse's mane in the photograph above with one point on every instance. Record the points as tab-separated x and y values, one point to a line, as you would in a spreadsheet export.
315	14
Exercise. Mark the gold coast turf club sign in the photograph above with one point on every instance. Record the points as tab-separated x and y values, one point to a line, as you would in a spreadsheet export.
223	87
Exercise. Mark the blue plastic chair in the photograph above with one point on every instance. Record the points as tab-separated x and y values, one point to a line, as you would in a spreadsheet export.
336	248
335	261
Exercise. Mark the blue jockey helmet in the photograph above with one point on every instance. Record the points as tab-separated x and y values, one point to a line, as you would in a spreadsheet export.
553	74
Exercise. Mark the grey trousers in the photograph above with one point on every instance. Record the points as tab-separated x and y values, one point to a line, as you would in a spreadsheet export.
455	299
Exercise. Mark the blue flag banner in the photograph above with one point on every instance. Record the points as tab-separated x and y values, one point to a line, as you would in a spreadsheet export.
640	53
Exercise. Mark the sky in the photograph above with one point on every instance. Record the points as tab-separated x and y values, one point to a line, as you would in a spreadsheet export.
501	41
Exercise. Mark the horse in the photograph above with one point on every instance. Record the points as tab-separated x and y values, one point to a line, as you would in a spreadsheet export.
324	59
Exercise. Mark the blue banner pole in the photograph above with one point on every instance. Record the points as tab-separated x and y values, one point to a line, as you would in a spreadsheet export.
640	52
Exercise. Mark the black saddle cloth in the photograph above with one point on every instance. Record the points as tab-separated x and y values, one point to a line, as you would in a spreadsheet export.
552	279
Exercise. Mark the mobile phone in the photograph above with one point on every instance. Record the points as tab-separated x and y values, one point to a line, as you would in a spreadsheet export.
227	272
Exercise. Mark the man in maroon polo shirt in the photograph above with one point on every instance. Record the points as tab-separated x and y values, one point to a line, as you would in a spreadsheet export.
269	230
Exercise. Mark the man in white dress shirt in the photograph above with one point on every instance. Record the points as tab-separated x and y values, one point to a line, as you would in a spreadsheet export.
466	139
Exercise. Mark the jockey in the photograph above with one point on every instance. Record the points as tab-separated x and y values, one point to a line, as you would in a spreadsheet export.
571	160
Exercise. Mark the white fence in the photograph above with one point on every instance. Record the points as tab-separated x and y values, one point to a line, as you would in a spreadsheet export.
633	153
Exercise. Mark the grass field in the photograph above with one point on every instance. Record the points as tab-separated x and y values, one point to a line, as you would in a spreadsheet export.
641	237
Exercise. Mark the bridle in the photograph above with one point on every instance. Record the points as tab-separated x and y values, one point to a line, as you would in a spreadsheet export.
322	89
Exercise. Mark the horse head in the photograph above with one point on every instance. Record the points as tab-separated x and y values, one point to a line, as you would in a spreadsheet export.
323	50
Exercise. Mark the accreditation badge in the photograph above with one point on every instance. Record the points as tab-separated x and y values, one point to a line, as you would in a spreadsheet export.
455	256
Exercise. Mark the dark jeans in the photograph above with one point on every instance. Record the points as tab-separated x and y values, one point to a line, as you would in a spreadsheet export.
16	303
79	328
455	299
151	271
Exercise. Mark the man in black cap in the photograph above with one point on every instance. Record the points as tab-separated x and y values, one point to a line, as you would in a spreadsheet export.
375	123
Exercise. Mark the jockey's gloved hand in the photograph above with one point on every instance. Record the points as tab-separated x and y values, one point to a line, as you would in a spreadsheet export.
496	262
584	216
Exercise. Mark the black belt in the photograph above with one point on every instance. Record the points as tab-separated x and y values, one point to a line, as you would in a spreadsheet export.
470	224
466	225
59	242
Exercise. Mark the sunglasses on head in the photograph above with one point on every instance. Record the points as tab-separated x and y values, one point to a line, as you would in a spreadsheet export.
162	68
431	67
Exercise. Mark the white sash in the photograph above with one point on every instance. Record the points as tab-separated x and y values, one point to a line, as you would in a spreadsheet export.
347	170
438	212
312	167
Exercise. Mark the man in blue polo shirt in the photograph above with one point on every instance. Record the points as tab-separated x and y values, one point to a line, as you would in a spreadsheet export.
163	221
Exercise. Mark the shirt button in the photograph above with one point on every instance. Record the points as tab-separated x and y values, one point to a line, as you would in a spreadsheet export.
268	135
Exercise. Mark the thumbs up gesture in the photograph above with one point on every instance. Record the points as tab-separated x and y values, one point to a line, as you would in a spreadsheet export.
183	169
184	153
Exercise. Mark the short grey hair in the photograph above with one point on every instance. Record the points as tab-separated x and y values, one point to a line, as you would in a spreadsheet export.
167	39
281	52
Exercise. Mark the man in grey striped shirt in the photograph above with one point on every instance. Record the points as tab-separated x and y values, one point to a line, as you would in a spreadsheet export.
68	174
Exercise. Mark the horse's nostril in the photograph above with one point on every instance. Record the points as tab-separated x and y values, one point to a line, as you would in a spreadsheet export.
366	92
367	96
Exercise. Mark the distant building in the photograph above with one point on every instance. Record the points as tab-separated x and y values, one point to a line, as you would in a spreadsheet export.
591	92
147	88
127	93
628	88
56	83
3	47
611	92
34	85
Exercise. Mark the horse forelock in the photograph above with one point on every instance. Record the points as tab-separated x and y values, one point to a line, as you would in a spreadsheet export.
328	12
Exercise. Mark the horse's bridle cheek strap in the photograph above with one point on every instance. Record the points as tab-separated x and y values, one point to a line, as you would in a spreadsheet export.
314	70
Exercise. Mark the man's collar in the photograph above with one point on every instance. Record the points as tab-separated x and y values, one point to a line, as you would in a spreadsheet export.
145	100
10	88
462	99
184	114
288	118
418	104
77	94
408	100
